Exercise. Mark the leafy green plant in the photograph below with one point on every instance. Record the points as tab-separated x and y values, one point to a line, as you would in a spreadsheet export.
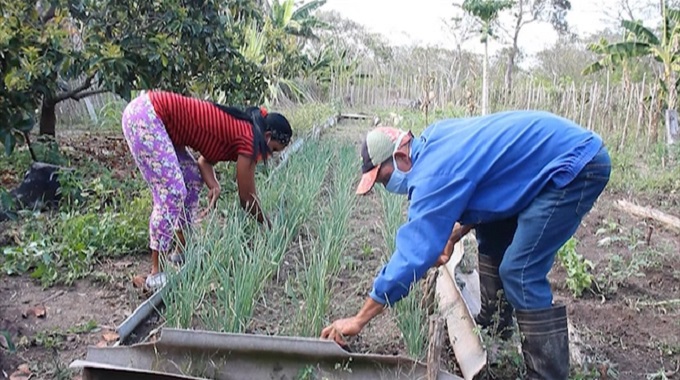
579	277
77	239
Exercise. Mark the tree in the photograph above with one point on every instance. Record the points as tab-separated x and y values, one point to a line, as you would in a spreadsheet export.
526	12
32	41
663	48
277	45
78	48
486	11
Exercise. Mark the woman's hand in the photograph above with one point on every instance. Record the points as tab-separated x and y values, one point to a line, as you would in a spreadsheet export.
208	173
213	196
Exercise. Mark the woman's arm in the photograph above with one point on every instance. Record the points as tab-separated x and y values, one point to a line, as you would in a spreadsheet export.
245	178
208	173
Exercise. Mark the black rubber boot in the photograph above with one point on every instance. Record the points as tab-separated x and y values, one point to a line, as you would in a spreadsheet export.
545	342
496	313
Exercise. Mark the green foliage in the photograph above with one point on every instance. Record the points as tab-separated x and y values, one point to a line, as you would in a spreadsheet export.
64	249
229	263
486	11
321	262
578	269
411	316
642	41
79	48
29	51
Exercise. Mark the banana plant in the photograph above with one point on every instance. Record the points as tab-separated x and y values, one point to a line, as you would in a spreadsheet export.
663	48
299	22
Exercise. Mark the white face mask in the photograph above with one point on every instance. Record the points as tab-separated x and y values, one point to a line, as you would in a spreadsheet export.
398	183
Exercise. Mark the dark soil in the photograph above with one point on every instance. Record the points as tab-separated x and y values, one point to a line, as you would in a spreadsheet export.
624	327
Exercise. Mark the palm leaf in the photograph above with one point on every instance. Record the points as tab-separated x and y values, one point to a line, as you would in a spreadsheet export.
307	9
673	15
628	49
288	9
641	33
593	68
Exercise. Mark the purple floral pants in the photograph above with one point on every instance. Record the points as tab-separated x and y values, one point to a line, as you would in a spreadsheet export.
171	172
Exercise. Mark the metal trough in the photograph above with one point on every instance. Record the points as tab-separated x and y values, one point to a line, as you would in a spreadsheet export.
192	354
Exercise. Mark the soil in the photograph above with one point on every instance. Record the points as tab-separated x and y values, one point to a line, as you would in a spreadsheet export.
629	329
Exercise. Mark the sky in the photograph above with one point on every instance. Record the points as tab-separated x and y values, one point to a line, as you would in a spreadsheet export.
421	22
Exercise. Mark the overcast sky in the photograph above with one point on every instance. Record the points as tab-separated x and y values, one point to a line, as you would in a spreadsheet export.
421	21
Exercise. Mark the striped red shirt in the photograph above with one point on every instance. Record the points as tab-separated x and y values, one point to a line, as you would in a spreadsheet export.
200	125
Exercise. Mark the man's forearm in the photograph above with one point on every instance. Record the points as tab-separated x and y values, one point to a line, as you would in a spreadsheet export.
459	231
369	311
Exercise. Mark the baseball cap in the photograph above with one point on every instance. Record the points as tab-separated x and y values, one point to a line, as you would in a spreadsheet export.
378	146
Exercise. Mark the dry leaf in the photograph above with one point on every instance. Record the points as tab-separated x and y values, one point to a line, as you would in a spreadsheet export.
22	373
122	264
139	281
102	344
110	336
37	311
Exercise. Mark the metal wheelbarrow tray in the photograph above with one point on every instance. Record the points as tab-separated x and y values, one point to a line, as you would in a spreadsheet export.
193	354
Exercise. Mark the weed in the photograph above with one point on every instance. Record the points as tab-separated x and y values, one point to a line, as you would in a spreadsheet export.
6	342
55	338
76	240
578	268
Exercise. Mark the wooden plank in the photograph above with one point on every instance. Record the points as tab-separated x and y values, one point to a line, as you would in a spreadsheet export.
670	221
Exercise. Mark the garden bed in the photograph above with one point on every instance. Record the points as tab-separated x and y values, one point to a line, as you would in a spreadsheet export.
318	264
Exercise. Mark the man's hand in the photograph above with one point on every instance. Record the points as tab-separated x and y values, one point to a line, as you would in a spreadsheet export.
446	254
342	328
456	234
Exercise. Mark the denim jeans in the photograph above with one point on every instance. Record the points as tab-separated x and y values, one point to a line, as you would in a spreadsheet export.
526	245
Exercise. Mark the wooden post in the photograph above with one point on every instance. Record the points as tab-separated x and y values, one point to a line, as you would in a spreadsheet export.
671	126
434	349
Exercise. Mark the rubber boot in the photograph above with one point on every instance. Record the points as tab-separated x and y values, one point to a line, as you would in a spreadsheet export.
545	342
491	292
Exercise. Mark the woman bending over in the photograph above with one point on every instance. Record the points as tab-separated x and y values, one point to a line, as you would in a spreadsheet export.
159	126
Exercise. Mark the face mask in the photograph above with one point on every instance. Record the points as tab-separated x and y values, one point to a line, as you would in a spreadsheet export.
398	183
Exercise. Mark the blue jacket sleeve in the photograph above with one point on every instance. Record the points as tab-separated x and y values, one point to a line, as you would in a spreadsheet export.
436	204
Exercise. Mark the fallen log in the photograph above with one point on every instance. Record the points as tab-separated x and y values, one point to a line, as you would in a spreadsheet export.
354	116
670	221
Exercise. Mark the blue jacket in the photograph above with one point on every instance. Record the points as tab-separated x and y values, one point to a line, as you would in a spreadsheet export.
477	170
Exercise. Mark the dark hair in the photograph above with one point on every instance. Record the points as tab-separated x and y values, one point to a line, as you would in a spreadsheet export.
262	122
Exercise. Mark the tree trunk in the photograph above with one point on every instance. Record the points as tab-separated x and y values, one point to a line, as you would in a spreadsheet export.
513	52
48	117
510	68
485	78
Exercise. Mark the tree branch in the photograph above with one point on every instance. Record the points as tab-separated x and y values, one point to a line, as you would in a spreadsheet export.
85	94
74	92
